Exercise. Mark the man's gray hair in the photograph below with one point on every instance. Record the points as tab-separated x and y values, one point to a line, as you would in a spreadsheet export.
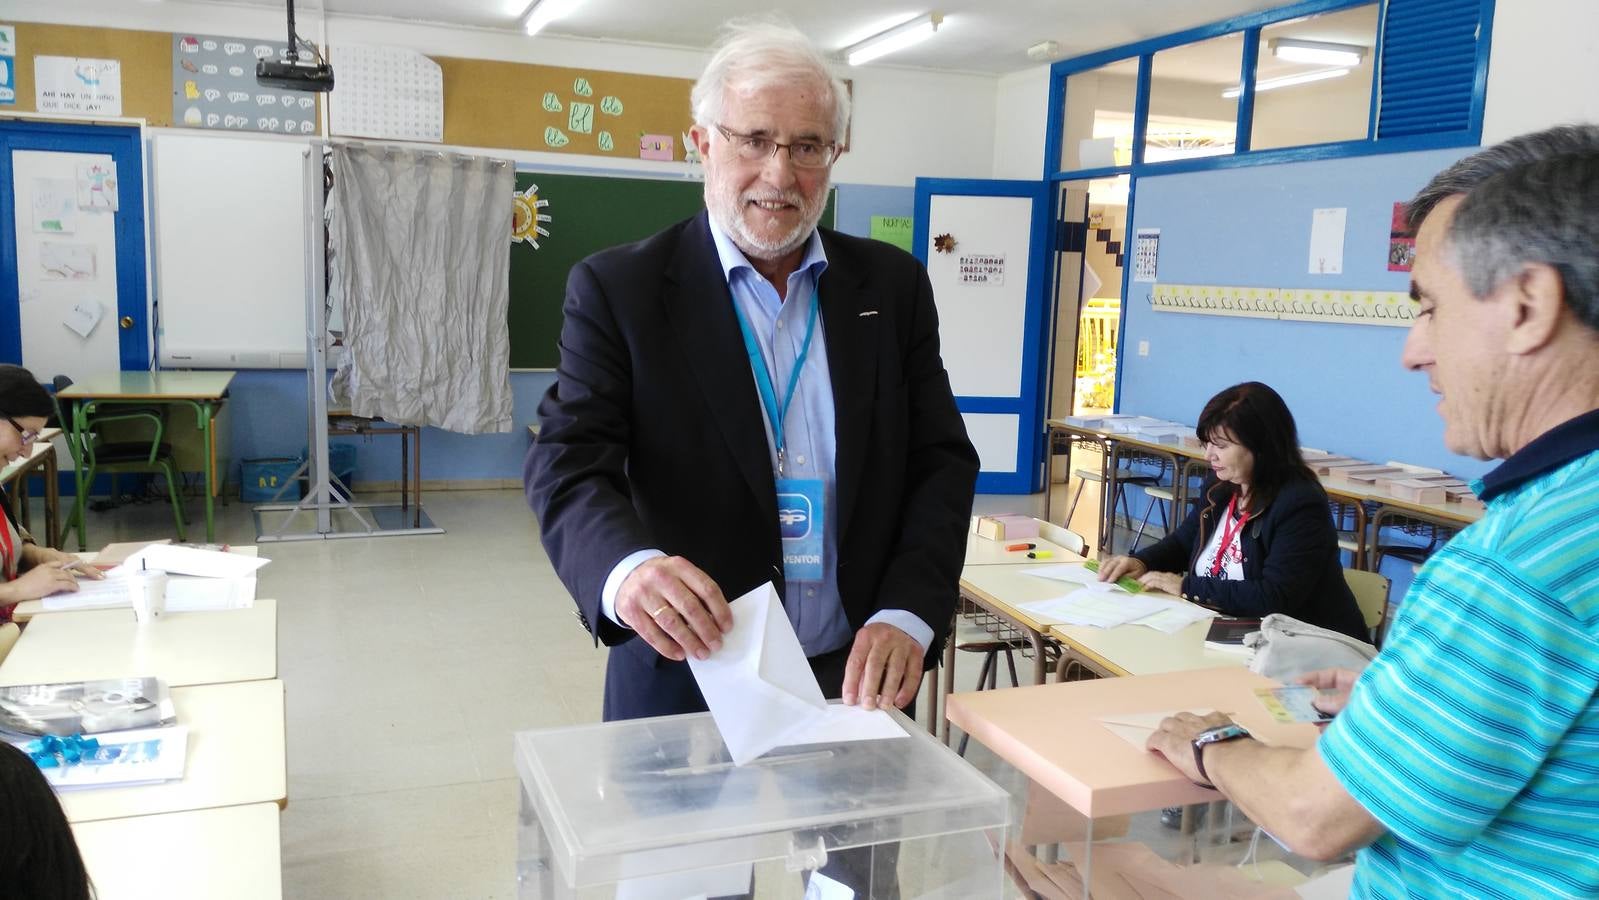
1531	199
756	52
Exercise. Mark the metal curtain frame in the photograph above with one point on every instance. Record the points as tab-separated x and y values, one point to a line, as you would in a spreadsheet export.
326	495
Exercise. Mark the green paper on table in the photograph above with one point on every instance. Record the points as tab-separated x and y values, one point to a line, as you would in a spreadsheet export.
1130	585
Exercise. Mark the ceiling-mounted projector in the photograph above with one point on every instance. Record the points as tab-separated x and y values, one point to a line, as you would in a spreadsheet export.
294	76
291	74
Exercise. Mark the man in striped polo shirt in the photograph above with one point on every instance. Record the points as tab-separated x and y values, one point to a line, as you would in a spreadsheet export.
1465	758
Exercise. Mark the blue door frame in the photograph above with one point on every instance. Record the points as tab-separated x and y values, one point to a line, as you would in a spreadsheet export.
1028	405
123	145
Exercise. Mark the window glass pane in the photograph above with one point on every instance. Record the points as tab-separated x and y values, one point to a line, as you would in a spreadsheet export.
1189	116
1099	110
1309	86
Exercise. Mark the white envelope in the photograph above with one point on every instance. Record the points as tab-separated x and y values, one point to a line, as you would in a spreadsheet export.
759	685
1136	728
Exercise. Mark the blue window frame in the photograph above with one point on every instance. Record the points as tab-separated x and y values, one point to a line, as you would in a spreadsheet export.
1430	83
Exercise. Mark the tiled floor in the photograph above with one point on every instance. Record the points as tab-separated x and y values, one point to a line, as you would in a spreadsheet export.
408	662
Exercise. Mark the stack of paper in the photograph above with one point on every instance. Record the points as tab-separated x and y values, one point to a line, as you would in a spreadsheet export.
197	580
122	758
1104	605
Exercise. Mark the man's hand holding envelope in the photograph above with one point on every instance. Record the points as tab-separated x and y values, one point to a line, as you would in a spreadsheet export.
762	693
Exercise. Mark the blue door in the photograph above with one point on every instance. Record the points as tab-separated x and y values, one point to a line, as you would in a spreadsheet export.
74	293
984	246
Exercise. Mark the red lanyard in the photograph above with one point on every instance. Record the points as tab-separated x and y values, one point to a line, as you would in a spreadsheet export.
1229	532
5	549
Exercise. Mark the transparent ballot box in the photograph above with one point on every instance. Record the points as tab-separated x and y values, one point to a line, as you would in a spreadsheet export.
654	808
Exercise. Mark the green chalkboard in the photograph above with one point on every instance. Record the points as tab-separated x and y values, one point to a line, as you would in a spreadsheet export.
586	213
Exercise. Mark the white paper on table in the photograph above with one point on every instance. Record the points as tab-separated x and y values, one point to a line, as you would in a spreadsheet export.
760	688
1176	617
177	560
1076	575
109	592
1327	240
1094	608
1135	728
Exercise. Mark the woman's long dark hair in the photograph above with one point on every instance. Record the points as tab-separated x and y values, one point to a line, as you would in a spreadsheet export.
1255	416
38	857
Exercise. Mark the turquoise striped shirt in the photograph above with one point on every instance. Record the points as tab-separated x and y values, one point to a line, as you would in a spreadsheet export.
1474	736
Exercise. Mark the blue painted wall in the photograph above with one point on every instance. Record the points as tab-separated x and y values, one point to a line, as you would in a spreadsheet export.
857	203
1251	227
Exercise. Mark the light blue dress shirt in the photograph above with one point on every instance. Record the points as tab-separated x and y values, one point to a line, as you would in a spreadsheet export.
809	443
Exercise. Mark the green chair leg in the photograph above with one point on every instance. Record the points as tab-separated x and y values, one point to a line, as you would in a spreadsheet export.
177	503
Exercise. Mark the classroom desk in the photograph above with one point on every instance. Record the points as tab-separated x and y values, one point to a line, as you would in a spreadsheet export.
236	757
343	422
1191	460
981	551
1052	734
181	648
1123	650
231	852
27	609
41	458
201	391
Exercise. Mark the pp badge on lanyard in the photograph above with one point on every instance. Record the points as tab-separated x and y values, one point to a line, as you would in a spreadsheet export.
801	502
800	521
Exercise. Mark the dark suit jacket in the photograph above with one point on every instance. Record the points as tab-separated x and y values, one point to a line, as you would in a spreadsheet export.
652	435
1290	563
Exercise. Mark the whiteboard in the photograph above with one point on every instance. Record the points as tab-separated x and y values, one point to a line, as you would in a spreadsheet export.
230	230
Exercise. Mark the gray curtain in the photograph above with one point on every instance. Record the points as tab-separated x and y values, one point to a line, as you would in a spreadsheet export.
421	254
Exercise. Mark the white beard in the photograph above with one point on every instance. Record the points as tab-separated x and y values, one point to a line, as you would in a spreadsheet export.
730	216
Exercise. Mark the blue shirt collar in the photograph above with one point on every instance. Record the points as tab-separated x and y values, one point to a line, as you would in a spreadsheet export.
733	259
1554	448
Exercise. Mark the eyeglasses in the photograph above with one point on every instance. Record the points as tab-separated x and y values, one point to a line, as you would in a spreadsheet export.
803	154
22	433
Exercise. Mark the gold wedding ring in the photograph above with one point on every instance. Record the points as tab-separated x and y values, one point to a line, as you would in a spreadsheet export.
658	611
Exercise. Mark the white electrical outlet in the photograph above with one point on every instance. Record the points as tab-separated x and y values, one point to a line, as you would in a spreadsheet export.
1143	348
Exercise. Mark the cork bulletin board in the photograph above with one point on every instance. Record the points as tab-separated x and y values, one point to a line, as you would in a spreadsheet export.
564	110
146	58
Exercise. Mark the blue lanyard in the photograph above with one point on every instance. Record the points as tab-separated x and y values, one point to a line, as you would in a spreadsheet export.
775	413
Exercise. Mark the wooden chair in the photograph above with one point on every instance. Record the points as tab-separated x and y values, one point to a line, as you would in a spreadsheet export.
1371	595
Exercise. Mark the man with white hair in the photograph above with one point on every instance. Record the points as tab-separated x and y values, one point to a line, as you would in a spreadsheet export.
746	397
1465	758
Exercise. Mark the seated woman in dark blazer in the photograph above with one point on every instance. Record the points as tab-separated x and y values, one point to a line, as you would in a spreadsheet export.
1262	539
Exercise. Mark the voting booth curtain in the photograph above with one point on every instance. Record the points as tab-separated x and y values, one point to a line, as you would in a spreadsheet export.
420	262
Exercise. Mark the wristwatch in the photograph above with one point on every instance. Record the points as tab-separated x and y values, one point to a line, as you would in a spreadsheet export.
1229	732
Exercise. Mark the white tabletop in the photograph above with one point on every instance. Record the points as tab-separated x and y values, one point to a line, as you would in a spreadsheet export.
1125	650
229	852
27	609
236	757
981	551
182	648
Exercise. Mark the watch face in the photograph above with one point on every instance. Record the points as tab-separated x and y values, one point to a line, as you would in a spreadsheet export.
1222	733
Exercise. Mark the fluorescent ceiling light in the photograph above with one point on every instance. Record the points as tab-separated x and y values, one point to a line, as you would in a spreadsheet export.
1320	53
542	12
897	38
1271	84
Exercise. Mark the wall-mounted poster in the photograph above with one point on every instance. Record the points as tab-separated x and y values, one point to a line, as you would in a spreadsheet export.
1401	242
76	85
387	92
213	86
